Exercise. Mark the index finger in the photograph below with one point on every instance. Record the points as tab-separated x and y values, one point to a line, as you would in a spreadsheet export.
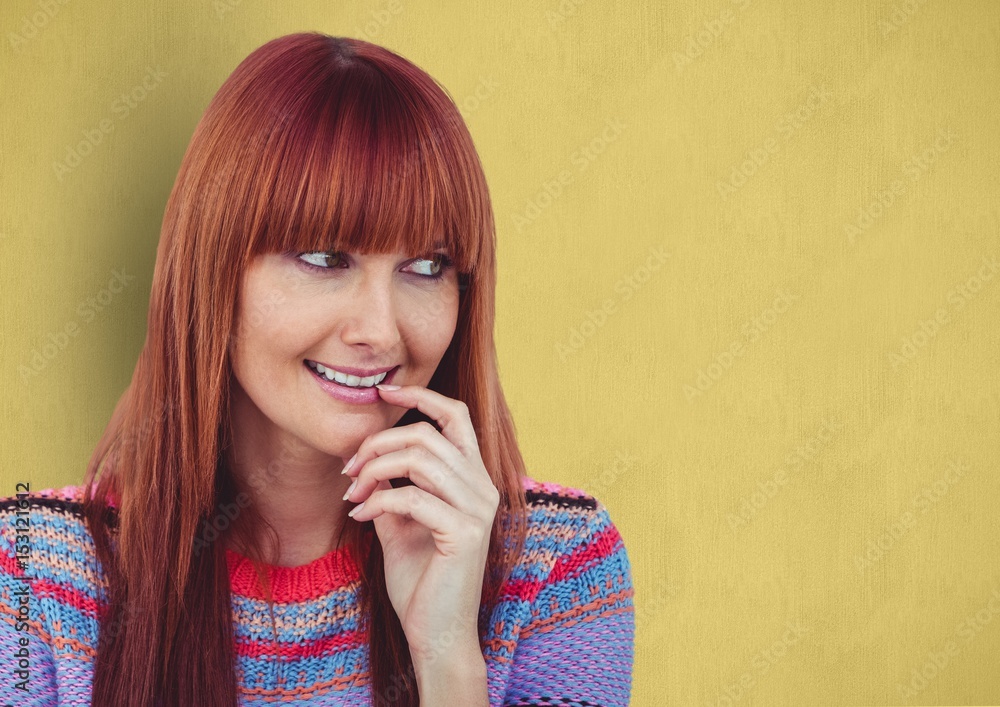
451	415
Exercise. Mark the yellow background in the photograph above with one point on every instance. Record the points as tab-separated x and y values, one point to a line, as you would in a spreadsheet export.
776	560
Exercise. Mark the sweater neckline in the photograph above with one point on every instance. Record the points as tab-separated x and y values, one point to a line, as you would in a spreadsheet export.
336	570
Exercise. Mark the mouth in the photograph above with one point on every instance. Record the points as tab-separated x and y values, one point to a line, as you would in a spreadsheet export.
349	380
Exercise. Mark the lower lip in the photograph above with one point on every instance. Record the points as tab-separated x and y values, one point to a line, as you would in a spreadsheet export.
347	393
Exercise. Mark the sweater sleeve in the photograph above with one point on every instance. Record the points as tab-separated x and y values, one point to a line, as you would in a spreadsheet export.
29	673
577	647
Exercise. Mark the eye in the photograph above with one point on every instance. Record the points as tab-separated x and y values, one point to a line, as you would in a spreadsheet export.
430	268
436	265
321	259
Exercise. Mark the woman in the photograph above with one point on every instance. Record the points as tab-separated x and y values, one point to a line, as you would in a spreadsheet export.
259	523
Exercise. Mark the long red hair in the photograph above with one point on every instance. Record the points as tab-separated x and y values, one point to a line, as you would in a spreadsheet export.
313	143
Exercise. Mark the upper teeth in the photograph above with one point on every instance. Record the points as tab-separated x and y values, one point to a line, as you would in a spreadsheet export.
345	379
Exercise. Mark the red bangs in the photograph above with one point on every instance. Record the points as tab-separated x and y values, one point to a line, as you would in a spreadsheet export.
337	151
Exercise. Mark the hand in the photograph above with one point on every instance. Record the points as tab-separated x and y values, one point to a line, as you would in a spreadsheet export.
435	534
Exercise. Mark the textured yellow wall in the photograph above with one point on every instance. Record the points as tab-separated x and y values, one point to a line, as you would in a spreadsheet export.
748	296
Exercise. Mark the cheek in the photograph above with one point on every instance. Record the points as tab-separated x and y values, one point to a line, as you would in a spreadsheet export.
430	325
438	325
253	326
278	305
268	321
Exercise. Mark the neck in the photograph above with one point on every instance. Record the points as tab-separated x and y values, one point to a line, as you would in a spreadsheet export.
296	489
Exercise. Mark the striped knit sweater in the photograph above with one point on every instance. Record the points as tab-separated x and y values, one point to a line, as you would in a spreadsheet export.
563	634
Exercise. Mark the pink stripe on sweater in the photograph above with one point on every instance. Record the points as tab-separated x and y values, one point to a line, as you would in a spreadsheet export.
316	648
600	546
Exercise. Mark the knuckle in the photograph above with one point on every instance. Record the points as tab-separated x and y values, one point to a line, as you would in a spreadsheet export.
415	497
477	533
437	476
489	510
418	454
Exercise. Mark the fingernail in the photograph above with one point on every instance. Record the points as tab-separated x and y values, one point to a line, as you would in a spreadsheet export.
347	466
348	494
387	386
355	509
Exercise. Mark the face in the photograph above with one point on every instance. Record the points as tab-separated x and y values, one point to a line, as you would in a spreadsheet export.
342	311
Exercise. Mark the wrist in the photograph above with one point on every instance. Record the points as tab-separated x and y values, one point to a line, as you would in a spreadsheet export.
459	676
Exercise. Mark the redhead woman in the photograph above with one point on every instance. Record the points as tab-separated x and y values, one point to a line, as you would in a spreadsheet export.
311	492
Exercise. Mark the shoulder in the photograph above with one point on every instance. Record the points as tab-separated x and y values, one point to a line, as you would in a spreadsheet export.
549	492
51	593
567	516
51	507
43	535
570	532
66	499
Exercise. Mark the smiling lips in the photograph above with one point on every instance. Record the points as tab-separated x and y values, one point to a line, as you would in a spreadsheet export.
351	377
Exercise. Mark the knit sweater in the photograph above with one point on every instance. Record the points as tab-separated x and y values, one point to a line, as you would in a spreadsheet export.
561	635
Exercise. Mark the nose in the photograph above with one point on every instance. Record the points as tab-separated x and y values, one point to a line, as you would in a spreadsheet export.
370	316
